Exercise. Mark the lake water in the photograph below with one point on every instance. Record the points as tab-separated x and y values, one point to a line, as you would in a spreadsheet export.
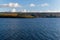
29	28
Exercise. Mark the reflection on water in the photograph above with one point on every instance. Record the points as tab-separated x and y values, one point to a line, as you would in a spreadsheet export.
30	29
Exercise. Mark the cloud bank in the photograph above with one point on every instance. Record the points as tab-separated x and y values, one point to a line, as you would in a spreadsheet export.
32	5
44	5
15	5
10	5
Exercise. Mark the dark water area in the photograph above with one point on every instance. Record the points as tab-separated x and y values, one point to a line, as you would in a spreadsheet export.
29	28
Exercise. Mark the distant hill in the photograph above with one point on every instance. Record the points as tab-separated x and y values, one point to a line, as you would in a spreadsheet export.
28	15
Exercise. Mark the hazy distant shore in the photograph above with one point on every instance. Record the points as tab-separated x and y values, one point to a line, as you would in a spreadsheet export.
28	15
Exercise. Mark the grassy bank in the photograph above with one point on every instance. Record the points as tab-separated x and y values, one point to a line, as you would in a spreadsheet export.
15	15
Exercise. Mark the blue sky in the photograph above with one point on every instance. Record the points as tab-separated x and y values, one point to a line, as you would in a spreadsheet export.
30	5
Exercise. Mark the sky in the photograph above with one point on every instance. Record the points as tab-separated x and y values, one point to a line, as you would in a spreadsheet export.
30	5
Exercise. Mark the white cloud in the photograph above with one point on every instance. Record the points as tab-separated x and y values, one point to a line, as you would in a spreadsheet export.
45	4
10	5
14	5
32	5
13	10
50	11
42	5
34	11
3	5
24	10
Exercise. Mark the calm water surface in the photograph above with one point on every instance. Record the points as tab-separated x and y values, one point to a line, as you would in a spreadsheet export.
30	29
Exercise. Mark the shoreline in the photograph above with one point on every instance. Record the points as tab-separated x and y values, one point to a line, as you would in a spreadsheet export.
28	15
